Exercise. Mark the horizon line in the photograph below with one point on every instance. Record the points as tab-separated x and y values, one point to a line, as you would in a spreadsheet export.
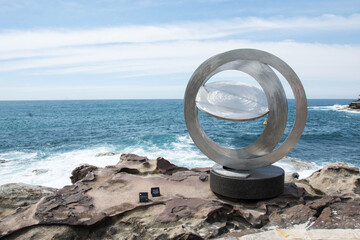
135	99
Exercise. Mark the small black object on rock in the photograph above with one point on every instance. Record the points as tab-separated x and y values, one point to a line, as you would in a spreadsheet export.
295	175
143	197
155	192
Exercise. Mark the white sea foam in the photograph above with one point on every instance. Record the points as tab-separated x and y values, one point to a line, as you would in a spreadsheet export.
182	153
303	168
335	107
58	166
21	165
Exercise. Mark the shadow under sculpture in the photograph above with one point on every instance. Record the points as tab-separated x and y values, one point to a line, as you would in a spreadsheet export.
245	173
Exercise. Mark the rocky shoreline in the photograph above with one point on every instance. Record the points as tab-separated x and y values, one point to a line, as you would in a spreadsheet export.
103	203
353	106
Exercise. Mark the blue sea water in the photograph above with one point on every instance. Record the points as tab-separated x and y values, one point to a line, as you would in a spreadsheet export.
41	142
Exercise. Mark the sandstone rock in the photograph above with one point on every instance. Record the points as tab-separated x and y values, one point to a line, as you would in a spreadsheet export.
340	215
129	157
47	233
18	195
318	234
205	169
164	166
336	179
132	163
104	204
185	207
290	216
81	171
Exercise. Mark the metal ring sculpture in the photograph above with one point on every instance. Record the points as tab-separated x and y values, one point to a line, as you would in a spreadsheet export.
255	63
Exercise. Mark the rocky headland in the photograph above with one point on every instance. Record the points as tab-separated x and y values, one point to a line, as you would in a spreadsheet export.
103	203
353	106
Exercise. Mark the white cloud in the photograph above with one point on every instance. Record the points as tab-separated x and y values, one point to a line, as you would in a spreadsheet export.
311	61
45	39
132	51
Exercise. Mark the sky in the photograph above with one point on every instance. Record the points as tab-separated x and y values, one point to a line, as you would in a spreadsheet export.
148	49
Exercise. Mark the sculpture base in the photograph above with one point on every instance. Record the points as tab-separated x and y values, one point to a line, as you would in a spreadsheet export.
259	183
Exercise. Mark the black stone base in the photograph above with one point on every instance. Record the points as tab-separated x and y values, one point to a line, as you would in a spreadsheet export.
260	183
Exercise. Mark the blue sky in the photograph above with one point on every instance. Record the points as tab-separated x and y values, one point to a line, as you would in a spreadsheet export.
107	49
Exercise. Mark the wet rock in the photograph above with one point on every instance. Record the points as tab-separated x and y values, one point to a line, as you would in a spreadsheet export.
40	171
2	161
81	171
106	154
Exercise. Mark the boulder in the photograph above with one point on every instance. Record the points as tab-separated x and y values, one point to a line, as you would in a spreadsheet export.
336	179
81	171
164	166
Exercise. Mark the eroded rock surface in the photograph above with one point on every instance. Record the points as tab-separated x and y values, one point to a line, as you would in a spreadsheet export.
81	171
103	203
19	195
336	179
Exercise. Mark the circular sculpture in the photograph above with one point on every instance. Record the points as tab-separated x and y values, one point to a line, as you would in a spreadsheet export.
257	64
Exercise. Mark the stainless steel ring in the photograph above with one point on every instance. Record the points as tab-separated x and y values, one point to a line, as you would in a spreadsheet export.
256	63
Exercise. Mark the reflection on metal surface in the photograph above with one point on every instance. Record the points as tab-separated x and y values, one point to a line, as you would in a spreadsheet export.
257	64
234	101
230	172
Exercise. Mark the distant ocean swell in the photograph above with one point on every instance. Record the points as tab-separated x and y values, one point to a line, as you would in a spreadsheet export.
44	148
335	107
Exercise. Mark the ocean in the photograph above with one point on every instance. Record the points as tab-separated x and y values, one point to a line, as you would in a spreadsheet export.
41	142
